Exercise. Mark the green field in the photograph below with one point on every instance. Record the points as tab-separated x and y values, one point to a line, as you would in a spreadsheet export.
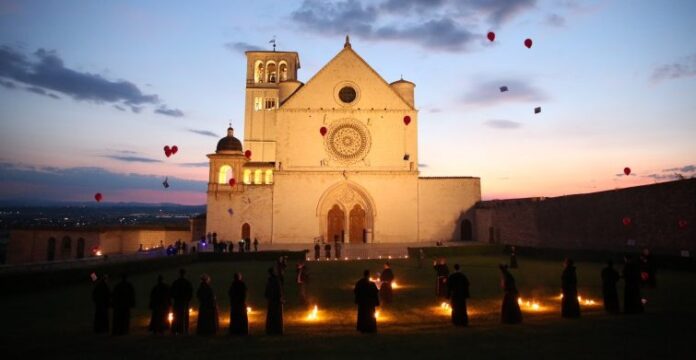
58	323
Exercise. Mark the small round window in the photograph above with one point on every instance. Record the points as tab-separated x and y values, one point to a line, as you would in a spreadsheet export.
347	94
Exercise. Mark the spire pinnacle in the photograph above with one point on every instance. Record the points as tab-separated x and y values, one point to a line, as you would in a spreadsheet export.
347	44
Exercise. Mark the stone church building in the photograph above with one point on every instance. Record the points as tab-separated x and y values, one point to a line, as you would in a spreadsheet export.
333	159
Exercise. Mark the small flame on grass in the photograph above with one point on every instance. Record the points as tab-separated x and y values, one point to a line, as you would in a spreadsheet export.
529	304
314	314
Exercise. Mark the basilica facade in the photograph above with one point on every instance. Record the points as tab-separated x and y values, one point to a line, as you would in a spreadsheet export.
335	159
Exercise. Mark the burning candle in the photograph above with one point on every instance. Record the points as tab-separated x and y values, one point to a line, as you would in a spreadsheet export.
530	305
313	315
170	318
446	308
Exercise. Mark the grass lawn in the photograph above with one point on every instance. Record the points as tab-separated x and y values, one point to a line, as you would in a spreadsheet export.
58	323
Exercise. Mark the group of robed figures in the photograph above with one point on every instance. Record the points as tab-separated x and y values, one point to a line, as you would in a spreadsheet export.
169	306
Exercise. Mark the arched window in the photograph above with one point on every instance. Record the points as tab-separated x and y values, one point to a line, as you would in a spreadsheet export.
51	249
283	68
257	177
225	174
80	248
247	176
66	246
271	70
259	73
269	177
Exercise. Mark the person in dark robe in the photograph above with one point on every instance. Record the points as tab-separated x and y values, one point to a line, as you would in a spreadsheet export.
513	258
631	275
385	288
207	308
570	306
337	249
281	266
457	293
101	296
256	245
441	273
327	250
510	313
648	269
302	280
611	297
160	303
181	293
239	319
274	296
123	299
367	299
317	251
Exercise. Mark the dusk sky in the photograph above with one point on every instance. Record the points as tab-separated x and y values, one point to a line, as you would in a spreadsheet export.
91	91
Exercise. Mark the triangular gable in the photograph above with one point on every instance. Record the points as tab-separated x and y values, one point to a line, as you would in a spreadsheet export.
319	90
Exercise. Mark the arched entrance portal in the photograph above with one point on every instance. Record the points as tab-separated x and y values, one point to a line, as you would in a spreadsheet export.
51	250
336	222
246	231
466	230
346	210
357	225
80	248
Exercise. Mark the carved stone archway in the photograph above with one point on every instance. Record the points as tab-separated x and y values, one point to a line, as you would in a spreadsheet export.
346	195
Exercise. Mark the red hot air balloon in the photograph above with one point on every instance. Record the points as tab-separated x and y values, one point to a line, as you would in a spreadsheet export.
98	197
491	36
174	149
627	171
233	182
407	120
247	154
323	130
626	221
528	43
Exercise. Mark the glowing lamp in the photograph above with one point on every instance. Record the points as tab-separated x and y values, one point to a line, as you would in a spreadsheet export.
170	317
248	309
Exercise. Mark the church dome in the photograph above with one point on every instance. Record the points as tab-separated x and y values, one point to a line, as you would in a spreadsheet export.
229	142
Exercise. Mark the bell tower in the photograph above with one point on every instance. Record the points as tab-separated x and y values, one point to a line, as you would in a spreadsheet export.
271	78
